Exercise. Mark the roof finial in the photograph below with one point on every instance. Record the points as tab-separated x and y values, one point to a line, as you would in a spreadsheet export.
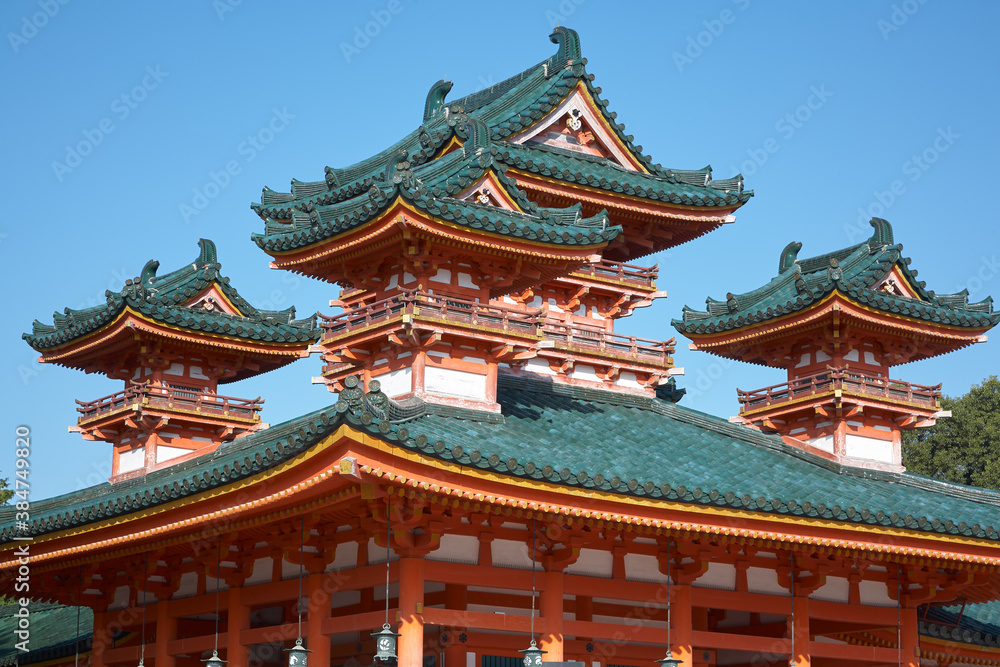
568	41
882	235
435	98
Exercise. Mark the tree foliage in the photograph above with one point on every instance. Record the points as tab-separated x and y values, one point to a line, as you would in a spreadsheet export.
965	447
6	493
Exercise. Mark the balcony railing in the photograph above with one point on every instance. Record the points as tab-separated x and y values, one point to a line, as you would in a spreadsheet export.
854	382
630	273
586	338
510	319
433	307
171	397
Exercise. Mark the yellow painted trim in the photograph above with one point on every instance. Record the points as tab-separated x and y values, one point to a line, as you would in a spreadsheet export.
212	338
417	214
548	487
703	341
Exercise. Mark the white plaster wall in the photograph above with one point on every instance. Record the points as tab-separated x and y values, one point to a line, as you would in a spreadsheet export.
165	452
718	575
450	382
836	589
863	447
396	383
508	553
346	557
593	563
132	459
761	580
824	442
642	567
457	549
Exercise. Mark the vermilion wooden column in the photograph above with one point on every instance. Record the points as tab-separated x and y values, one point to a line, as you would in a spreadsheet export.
681	618
800	630
550	604
909	638
166	631
455	597
101	638
411	611
319	609
239	619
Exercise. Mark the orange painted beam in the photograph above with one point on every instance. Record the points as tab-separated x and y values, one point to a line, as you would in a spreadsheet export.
739	601
478	575
616	632
481	620
270	633
848	613
851	652
716	640
197	644
370	621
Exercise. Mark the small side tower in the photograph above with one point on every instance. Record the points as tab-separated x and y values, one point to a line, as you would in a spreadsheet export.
837	323
172	340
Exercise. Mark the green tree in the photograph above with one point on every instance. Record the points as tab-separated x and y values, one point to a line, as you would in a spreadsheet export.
6	493
965	447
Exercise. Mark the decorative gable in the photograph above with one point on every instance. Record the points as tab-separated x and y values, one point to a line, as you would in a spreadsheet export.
214	301
895	283
577	125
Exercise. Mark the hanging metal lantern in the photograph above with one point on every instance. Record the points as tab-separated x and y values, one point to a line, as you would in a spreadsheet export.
669	660
297	655
215	660
385	644
532	655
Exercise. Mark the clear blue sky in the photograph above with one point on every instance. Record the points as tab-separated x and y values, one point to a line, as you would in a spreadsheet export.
726	83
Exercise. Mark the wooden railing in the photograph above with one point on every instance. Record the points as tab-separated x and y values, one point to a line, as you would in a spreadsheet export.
854	382
584	337
511	319
434	307
171	397
643	275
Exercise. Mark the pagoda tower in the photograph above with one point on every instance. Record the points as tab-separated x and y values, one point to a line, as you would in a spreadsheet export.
172	340
838	323
494	239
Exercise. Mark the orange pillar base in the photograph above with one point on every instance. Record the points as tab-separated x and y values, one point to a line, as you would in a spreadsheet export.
550	604
411	610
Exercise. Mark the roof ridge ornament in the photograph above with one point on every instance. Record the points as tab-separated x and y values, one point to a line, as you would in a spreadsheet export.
568	41
208	255
788	256
479	138
149	271
435	98
883	233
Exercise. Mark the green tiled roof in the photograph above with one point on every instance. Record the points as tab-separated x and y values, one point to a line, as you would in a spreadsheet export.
853	271
430	187
53	633
972	624
576	437
689	188
161	297
487	117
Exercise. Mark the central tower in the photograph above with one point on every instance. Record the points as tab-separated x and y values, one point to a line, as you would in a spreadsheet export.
495	238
